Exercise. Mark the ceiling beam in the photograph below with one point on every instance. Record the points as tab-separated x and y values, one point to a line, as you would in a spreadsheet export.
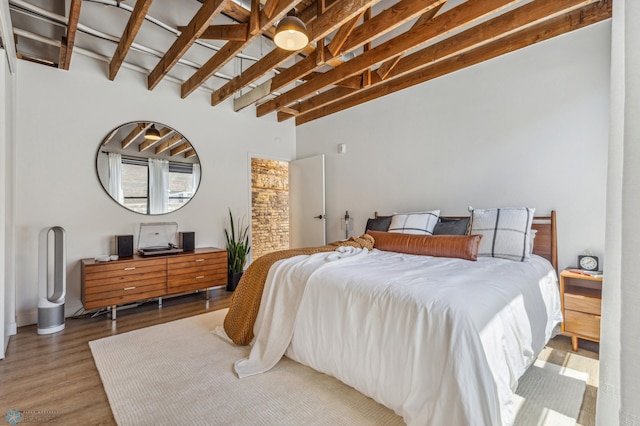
199	23
110	136
135	133
259	21
539	32
235	32
164	132
7	36
241	15
66	47
169	143
493	29
341	12
128	35
465	14
190	153
270	7
183	147
343	33
386	67
382	23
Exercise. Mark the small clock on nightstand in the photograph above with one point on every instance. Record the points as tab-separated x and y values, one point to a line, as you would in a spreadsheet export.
588	262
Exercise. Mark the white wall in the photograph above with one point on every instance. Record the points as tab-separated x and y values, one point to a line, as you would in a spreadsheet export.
61	119
529	128
7	286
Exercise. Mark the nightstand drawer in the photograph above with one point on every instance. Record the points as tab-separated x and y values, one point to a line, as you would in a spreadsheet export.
582	324
582	303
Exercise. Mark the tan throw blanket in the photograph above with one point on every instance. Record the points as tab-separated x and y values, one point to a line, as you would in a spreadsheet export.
245	302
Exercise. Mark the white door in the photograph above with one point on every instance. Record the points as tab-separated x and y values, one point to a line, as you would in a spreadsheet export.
306	203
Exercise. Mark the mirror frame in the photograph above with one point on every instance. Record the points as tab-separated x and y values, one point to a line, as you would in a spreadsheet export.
168	134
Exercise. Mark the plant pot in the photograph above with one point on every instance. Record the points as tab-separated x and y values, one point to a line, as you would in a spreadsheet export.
233	280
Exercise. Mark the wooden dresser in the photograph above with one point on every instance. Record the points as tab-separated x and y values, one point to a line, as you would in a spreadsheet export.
127	280
581	298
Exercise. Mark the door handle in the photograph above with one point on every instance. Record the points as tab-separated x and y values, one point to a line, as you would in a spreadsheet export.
320	216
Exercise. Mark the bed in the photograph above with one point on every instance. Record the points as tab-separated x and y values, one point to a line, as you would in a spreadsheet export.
436	346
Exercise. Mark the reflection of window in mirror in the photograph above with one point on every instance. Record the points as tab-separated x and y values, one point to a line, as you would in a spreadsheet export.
148	175
182	184
135	185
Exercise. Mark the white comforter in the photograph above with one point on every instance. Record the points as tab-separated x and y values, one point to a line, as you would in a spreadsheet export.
440	341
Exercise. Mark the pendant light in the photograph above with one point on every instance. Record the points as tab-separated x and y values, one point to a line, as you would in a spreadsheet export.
291	33
152	133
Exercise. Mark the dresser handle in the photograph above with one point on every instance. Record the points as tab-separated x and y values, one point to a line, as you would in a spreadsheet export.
129	288
201	276
199	260
130	269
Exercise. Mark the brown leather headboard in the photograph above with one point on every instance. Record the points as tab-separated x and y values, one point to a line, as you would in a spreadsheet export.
546	241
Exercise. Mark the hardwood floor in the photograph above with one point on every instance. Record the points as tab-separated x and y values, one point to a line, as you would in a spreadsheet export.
53	379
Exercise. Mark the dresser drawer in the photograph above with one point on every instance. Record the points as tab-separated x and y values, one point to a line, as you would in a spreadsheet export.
128	294
197	271
108	283
582	303
582	324
192	262
197	281
121	270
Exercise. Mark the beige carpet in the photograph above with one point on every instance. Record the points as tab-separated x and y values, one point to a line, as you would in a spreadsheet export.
180	373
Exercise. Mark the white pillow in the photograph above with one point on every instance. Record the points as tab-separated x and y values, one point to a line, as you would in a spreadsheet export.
506	232
420	223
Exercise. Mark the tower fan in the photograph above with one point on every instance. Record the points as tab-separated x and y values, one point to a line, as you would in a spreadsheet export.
52	280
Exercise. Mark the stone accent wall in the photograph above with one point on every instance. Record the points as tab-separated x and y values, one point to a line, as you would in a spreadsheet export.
269	206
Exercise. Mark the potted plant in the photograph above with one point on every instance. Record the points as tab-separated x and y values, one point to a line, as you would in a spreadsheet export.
238	249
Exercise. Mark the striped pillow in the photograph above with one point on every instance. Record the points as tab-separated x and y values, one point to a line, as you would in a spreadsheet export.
421	223
506	233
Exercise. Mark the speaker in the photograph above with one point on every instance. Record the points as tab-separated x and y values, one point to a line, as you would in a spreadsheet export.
187	241
124	245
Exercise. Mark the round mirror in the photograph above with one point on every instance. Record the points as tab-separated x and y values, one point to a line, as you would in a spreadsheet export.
148	168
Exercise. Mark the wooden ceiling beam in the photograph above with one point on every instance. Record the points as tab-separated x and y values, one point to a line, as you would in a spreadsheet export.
241	15
164	132
335	46
539	32
66	47
283	116
462	15
235	32
128	35
169	143
269	7
382	23
198	24
354	82
135	133
259	22
341	12
183	147
190	153
473	37
110	136
385	68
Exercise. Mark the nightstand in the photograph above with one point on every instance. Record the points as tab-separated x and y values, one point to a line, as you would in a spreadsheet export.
581	299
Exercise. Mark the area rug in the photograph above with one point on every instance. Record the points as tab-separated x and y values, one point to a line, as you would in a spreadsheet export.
181	373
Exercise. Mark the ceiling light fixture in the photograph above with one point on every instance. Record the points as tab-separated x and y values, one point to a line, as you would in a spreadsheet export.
152	133
291	33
